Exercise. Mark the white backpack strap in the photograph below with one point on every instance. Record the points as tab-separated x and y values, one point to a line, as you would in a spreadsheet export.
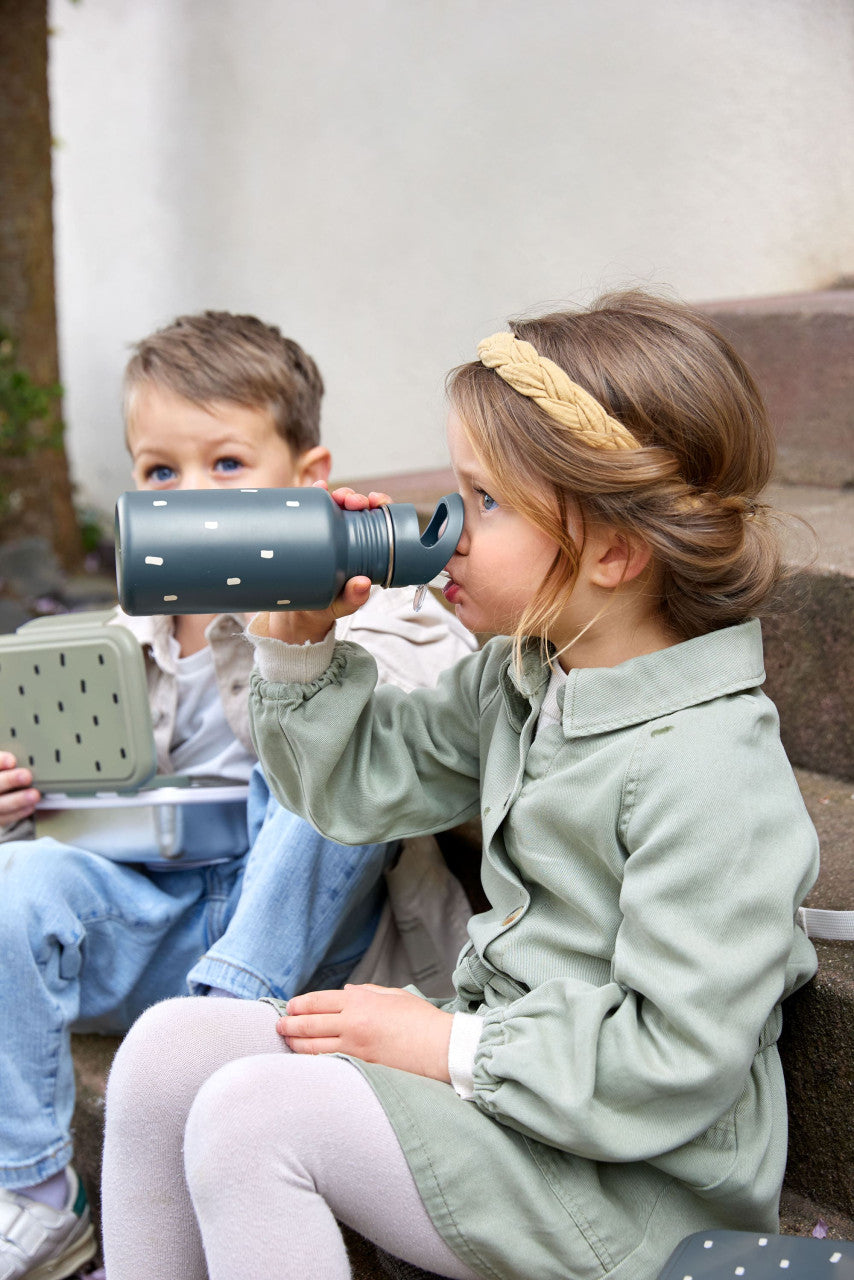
837	925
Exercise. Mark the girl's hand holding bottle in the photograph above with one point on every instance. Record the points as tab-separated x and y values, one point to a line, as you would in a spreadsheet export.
296	627
373	1023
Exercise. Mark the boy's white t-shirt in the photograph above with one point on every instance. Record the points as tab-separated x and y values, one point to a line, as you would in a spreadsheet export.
203	742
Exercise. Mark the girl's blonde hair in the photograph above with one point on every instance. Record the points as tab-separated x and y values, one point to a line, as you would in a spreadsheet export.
689	492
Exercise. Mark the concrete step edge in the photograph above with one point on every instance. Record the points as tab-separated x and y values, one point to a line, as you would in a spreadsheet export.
817	1050
798	348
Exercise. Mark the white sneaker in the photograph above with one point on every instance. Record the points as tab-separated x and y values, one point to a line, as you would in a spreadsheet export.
43	1243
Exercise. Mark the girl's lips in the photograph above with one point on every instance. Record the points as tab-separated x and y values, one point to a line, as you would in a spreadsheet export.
451	591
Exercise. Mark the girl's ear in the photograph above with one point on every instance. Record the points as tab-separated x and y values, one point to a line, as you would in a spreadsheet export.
619	558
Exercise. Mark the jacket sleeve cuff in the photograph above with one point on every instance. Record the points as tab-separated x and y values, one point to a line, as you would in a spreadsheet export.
465	1037
281	663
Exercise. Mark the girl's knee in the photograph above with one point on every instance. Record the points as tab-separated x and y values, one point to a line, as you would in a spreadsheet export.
232	1101
229	1137
149	1059
175	1046
272	1110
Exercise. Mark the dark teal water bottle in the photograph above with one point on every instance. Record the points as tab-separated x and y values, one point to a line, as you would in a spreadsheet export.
244	550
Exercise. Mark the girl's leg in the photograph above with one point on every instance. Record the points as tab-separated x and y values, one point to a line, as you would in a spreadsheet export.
148	1223
279	1147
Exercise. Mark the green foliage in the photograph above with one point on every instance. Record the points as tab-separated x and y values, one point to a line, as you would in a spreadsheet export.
92	532
28	417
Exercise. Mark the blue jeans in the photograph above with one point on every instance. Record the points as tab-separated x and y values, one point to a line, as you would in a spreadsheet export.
87	944
307	909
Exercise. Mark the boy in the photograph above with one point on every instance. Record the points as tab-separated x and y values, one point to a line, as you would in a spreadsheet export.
214	400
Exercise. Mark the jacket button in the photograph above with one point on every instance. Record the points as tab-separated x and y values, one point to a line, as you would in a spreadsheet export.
513	914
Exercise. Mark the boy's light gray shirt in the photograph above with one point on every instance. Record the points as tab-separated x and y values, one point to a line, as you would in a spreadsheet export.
410	649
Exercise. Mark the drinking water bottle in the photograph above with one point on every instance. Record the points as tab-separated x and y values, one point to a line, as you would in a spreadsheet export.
245	550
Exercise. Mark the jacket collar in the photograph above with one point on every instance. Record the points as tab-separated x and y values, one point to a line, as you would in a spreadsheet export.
526	689
156	632
602	699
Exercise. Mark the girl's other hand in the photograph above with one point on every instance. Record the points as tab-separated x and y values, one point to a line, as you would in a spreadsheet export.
18	798
350	500
300	627
376	1024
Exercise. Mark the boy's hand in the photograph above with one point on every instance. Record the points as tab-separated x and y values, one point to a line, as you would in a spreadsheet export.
376	1024
299	627
18	798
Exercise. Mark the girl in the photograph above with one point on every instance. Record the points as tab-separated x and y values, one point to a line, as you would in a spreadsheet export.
606	1080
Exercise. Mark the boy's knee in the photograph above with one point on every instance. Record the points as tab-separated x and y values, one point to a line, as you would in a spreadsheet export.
18	872
34	873
31	891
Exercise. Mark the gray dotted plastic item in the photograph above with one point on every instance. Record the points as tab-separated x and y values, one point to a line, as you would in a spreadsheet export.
243	550
74	705
714	1255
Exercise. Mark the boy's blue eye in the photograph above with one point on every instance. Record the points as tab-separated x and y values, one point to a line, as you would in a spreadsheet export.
228	464
160	475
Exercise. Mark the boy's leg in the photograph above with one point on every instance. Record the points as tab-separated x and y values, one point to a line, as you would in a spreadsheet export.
308	908
85	942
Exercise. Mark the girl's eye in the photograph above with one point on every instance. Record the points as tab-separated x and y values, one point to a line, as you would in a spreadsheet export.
160	474
228	464
486	500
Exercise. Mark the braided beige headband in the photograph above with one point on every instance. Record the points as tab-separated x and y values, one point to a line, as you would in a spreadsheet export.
544	382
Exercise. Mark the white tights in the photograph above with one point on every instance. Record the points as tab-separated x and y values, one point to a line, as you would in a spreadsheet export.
228	1156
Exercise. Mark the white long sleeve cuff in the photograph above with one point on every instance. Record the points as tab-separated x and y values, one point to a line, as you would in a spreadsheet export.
465	1036
282	663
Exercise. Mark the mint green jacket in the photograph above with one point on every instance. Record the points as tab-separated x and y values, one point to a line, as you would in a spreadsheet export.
644	861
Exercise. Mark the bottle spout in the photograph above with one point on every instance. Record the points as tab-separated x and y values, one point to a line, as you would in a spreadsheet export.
418	557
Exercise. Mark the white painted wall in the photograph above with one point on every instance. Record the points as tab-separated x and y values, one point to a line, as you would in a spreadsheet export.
389	180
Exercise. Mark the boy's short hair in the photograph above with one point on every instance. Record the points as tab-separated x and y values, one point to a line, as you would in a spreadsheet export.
216	355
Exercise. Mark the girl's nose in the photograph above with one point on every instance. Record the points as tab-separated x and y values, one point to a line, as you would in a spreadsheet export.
463	544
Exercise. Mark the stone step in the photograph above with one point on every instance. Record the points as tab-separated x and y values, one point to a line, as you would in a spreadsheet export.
809	639
798	347
817	1046
800	1216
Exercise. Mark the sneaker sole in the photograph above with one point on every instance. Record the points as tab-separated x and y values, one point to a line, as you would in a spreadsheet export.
78	1252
